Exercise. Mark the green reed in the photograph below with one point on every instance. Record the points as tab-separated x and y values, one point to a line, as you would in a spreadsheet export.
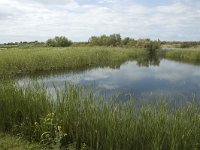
189	56
74	120
43	59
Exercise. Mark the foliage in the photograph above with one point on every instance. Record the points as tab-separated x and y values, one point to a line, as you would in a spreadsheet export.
9	142
129	42
188	44
73	120
80	44
180	44
58	41
31	60
191	56
103	40
116	40
22	44
148	44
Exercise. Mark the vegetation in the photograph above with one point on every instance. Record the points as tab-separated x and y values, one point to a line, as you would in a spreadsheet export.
32	60
112	40
116	40
8	142
183	55
22	44
188	44
59	41
73	120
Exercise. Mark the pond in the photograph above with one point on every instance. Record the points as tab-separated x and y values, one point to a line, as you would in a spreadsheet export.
166	80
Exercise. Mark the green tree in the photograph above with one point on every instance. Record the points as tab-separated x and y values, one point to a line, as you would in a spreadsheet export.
58	41
51	43
104	40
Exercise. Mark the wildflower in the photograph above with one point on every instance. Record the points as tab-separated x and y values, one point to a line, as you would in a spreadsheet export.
49	115
65	134
36	123
59	128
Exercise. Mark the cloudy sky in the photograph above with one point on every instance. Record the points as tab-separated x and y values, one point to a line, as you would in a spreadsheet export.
27	20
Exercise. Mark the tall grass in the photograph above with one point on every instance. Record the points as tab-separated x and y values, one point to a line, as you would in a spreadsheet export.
10	142
40	59
84	123
191	56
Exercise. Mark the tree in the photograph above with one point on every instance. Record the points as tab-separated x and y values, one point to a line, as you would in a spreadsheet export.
51	43
58	41
104	40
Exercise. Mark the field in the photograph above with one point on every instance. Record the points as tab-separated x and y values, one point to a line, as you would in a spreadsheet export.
43	59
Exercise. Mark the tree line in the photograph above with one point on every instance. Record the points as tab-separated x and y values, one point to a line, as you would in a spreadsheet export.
113	40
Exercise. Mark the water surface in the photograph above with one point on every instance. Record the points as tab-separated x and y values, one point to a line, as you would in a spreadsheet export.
167	80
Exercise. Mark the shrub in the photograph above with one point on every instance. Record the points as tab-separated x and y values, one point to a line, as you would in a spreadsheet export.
58	41
188	44
51	43
129	42
104	40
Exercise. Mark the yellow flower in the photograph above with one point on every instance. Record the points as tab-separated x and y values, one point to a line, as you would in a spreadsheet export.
59	128
49	114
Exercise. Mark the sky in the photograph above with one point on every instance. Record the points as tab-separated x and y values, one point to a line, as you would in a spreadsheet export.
30	20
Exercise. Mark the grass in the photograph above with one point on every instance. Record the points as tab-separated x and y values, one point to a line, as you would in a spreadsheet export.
190	56
9	142
73	120
43	59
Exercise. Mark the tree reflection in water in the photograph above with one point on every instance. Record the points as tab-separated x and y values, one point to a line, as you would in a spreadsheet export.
151	58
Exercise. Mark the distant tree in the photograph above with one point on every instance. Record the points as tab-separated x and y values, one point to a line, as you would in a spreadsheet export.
58	41
104	40
51	43
188	44
129	42
115	39
126	40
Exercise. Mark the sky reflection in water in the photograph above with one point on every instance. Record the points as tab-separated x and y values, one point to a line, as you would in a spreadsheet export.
170	80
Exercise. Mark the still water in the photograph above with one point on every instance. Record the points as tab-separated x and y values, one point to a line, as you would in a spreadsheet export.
170	80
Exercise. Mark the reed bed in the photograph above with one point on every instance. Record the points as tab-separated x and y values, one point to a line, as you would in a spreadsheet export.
80	122
190	56
43	59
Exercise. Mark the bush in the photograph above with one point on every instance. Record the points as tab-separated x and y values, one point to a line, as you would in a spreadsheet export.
188	44
104	40
148	44
51	43
58	41
129	42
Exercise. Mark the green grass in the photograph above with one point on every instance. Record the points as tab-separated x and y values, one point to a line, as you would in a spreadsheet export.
73	120
43	59
189	56
8	142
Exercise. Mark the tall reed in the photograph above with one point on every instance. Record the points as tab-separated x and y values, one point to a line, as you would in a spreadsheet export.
81	121
189	56
42	59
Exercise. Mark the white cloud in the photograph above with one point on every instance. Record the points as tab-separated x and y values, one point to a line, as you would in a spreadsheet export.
34	19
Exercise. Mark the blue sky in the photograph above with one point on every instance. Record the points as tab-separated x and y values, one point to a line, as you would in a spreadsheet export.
27	20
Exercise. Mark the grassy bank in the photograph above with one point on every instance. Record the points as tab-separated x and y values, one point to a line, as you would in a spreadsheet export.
41	59
8	142
80	122
190	56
